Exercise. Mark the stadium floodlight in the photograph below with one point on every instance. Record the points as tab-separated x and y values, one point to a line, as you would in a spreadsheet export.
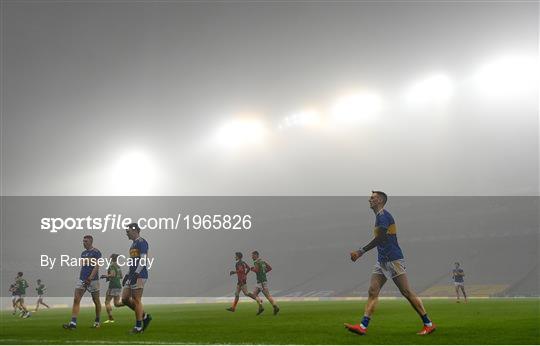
361	107
432	90
133	174
304	118
241	132
508	76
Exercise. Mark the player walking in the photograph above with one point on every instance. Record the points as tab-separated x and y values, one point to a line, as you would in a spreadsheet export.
260	268
41	291
88	281
390	265
457	275
114	276
136	278
242	269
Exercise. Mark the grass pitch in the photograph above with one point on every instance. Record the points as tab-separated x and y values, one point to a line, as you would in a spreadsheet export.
490	321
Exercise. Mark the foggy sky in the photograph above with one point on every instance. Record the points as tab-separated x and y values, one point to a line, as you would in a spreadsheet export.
83	83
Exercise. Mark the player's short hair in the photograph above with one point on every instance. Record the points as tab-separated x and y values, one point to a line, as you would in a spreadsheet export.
88	237
114	257
134	226
239	254
255	252
383	195
20	273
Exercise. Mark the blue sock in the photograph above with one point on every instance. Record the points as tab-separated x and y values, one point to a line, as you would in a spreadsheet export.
138	324
97	319
426	320
365	321
74	320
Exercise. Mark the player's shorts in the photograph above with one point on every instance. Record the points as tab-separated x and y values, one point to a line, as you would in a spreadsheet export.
457	284
92	287
19	296
261	285
114	292
137	285
241	283
40	296
390	269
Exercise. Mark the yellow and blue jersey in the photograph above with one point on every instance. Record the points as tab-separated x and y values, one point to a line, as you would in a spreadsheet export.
86	269
139	247
389	250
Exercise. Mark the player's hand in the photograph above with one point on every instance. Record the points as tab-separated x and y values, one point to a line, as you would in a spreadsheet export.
133	278
232	272
87	281
355	255
126	278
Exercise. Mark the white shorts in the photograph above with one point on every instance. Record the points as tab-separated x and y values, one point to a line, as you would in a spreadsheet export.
40	296
261	285
390	269
92	287
114	292
137	285
19	296
457	284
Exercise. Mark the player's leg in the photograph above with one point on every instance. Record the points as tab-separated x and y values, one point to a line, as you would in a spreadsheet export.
136	295
457	292
463	290
117	301
44	304
22	305
259	301
77	295
108	308
375	286
268	296
376	283
402	282
37	304
236	298
126	298
97	305
251	295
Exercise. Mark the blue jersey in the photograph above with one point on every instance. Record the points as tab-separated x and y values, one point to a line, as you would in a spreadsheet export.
86	269
389	250
139	247
458	278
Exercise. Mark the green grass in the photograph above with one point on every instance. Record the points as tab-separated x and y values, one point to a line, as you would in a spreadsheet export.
502	321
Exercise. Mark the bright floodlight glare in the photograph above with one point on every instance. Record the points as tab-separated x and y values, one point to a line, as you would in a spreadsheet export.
241	132
507	76
360	107
433	90
305	118
133	174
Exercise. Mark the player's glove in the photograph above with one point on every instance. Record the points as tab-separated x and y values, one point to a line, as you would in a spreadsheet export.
357	254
